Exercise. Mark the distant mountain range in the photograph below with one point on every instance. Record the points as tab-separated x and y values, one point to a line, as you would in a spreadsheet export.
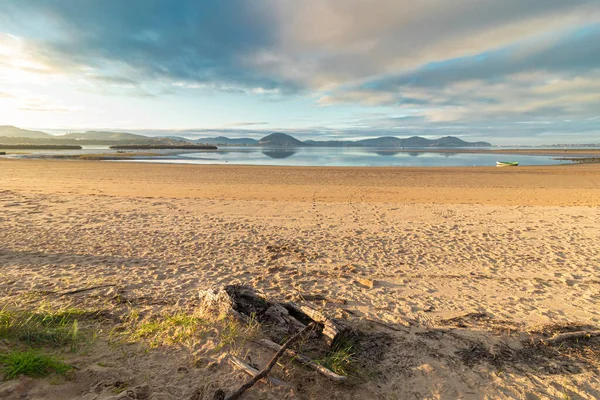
280	140
11	134
99	135
13	131
417	141
284	140
225	141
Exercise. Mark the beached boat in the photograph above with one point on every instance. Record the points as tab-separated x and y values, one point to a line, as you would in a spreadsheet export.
507	163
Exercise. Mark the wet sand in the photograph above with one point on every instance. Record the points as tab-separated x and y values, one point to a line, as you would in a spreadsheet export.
558	185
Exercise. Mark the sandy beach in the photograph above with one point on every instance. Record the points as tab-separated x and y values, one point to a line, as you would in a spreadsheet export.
459	260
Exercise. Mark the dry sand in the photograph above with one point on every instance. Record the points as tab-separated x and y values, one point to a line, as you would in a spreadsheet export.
520	246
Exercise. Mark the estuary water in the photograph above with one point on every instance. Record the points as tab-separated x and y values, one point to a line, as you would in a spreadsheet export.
309	156
351	156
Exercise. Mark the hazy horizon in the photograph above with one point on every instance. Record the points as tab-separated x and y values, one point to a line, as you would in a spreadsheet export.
194	134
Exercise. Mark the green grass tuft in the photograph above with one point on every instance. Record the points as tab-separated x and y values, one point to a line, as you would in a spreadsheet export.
32	364
340	360
229	333
166	329
42	327
181	328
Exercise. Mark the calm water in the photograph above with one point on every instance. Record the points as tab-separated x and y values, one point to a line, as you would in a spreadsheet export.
327	156
316	156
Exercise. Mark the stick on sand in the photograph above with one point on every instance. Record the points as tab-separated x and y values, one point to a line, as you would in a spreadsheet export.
270	365
305	360
571	336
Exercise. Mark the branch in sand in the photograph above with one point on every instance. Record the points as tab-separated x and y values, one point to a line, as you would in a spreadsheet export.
571	336
271	363
236	362
84	289
305	360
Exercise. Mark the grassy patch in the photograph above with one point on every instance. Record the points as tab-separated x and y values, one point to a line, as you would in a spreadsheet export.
32	364
181	328
42	328
165	329
340	360
231	331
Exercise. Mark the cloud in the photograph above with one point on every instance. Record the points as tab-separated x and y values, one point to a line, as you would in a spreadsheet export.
275	45
139	41
572	52
48	108
26	100
543	81
47	105
17	64
333	42
248	123
466	67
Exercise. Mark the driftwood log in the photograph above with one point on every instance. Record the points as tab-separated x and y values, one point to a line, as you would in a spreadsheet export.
305	360
571	336
333	330
262	374
283	319
248	303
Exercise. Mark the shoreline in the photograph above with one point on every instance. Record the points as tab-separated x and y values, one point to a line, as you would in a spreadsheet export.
573	184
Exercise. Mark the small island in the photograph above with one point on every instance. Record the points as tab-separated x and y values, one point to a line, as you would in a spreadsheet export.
163	147
39	147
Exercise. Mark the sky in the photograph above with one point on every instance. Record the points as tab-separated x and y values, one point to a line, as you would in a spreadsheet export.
506	71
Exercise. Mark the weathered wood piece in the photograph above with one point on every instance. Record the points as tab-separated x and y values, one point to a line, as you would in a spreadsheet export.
236	362
305	360
332	330
570	336
247	302
262	374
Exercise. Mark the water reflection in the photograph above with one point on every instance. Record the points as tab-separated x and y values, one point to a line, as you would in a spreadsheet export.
279	153
387	153
324	156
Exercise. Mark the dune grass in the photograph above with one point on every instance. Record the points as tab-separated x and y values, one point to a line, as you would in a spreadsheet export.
31	363
185	329
164	329
340	360
43	327
232	331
